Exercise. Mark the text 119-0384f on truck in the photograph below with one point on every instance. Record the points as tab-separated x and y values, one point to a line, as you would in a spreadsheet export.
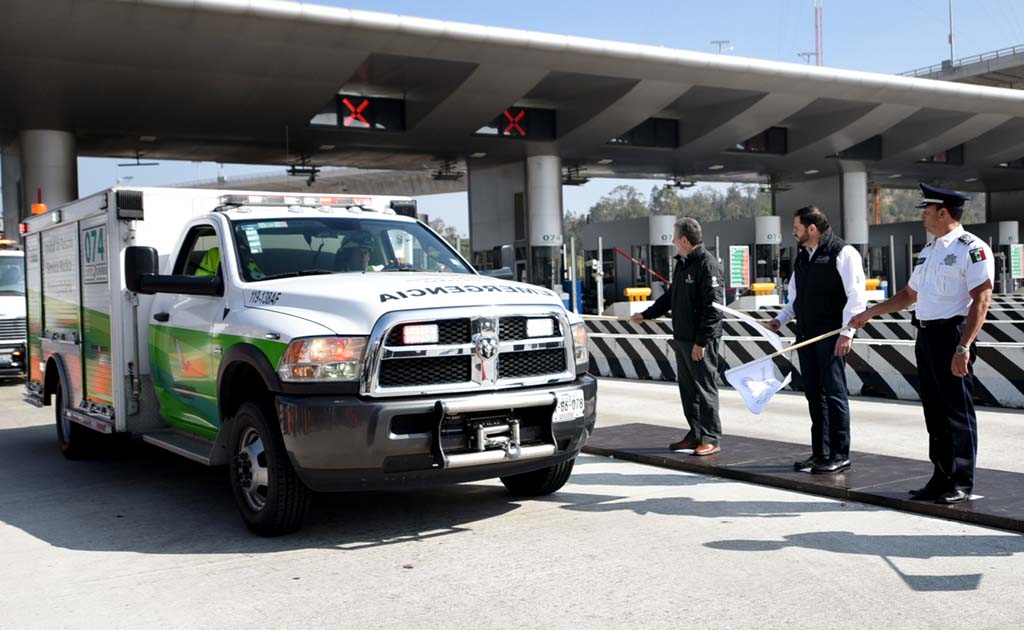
306	342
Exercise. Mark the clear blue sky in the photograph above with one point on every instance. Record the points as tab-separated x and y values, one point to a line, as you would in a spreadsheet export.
888	36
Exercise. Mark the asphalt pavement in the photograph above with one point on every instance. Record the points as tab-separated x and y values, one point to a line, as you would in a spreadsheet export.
143	539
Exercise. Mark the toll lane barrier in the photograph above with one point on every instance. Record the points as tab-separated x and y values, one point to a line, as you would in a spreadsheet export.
883	368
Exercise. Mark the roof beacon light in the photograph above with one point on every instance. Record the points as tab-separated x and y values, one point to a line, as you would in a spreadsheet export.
309	201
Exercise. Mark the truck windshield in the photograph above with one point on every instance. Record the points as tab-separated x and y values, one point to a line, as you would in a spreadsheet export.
12	275
304	246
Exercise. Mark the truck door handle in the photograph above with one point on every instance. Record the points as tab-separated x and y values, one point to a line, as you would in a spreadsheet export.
161	317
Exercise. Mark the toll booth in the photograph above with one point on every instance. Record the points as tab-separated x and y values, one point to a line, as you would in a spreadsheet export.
749	250
893	248
647	240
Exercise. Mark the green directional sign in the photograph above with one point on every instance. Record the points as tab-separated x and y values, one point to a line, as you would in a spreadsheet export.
1017	261
739	266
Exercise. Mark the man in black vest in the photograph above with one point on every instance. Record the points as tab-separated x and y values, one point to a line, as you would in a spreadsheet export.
825	291
697	328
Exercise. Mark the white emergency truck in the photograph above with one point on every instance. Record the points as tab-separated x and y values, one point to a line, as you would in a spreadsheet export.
307	342
12	310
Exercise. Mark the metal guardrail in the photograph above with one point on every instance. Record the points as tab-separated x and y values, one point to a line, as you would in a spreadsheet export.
966	61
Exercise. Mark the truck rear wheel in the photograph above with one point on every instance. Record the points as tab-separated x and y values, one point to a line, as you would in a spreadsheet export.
539	482
271	497
75	441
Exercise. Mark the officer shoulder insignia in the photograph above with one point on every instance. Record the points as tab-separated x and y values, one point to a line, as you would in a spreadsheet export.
977	254
966	239
928	244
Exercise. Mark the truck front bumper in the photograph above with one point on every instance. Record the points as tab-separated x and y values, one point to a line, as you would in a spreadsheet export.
346	443
12	359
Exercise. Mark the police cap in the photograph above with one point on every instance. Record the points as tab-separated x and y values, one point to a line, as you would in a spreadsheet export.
941	197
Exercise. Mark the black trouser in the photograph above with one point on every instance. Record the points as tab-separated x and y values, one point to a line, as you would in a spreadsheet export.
948	403
824	377
698	388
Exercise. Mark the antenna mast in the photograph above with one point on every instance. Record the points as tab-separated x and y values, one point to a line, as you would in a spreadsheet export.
819	49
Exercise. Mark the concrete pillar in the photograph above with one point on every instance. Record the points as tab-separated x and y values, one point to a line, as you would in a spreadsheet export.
544	208
49	163
544	200
855	208
496	199
10	179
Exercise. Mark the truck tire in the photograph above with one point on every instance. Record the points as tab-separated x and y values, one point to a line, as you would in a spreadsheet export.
271	497
539	482
75	441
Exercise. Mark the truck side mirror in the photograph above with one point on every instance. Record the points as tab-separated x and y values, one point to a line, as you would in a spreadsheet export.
139	261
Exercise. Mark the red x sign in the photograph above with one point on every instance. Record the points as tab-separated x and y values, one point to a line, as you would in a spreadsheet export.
513	127
355	113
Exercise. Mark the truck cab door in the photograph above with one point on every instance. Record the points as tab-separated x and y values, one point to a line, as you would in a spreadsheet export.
182	361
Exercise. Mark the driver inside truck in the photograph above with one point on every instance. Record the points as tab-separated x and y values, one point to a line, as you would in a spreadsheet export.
354	254
210	264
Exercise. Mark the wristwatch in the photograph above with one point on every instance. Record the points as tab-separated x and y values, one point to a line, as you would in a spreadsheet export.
962	349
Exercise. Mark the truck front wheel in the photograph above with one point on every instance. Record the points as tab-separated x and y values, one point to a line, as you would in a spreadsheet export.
539	482
271	497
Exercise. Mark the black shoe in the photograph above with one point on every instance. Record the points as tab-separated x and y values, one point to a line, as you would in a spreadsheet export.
810	462
953	496
831	466
925	494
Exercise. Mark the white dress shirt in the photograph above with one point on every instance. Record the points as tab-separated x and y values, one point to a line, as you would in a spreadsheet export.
851	270
947	270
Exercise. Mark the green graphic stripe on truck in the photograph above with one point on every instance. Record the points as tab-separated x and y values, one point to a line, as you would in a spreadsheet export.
99	385
184	370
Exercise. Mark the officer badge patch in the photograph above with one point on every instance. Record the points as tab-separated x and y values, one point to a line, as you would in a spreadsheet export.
977	254
950	260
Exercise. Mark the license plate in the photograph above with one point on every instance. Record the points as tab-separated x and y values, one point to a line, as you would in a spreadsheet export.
5	360
568	406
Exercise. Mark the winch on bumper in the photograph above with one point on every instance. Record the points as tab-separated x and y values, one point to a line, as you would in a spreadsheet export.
347	443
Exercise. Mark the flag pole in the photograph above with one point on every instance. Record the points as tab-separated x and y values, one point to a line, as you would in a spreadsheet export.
806	342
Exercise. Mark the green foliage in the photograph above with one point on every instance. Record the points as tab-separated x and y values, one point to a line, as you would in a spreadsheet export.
898	207
451	234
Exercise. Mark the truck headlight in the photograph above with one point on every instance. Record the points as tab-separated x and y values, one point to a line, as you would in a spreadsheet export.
579	344
323	359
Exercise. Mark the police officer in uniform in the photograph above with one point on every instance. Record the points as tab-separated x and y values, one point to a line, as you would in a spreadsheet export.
952	285
825	291
697	328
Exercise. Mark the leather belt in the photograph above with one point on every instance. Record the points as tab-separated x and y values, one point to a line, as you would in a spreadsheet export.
949	321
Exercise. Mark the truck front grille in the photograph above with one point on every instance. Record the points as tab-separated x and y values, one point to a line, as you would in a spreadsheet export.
533	363
514	328
477	351
12	328
425	371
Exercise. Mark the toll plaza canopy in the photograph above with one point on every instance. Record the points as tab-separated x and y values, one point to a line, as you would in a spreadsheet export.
267	81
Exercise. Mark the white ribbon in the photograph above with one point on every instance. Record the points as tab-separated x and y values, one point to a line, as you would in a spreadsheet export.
758	326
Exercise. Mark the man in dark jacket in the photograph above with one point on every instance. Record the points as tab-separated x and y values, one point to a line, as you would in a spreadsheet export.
825	291
697	328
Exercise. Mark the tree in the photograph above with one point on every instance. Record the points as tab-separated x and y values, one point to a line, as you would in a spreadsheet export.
623	202
899	205
451	234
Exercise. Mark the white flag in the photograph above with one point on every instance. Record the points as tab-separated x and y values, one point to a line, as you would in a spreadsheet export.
755	381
